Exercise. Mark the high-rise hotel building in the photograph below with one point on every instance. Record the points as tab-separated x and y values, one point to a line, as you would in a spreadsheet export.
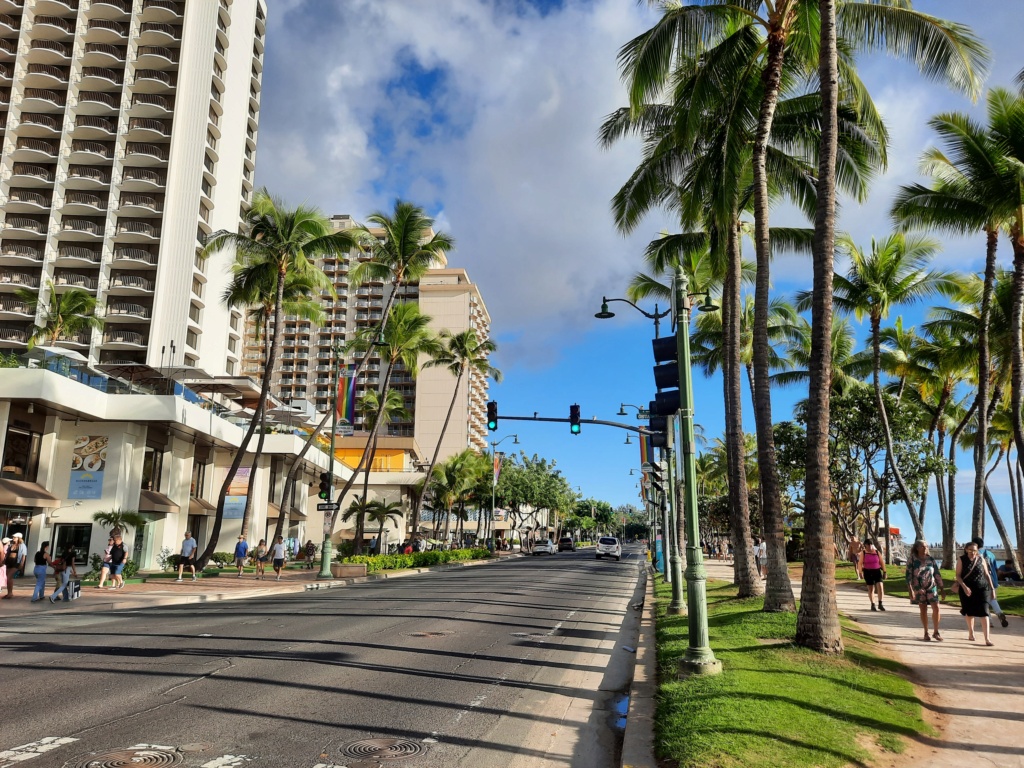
129	135
303	371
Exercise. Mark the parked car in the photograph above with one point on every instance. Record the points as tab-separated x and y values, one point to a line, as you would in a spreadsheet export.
608	546
566	544
545	547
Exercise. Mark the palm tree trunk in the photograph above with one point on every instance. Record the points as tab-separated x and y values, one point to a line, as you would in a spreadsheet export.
444	428
251	488
817	624
275	344
747	580
292	476
984	364
1017	363
1011	553
949	521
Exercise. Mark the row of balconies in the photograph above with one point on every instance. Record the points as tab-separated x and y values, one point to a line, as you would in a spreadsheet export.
119	282
14	252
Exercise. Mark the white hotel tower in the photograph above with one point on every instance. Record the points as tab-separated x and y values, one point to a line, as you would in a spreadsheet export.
129	134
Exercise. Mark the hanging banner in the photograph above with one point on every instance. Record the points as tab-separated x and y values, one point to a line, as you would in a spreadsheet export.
238	491
347	397
497	466
88	464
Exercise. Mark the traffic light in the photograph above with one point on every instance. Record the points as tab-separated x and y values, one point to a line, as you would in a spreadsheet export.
574	419
658	426
657	477
666	375
492	415
325	485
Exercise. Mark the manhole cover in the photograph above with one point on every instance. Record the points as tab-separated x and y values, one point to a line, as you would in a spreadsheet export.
134	756
382	749
429	634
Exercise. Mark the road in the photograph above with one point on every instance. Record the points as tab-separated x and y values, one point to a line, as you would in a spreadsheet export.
515	664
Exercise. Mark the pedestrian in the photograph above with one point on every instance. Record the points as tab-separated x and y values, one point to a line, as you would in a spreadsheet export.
105	564
924	580
729	553
975	587
407	548
993	568
14	562
64	570
4	544
754	551
277	552
118	558
188	556
762	558
241	553
261	559
42	560
874	573
310	554
853	551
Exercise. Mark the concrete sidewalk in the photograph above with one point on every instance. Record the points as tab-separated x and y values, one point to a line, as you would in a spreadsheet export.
225	585
973	695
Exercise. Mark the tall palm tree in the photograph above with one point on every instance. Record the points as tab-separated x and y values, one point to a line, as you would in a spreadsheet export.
891	274
290	239
461	353
64	315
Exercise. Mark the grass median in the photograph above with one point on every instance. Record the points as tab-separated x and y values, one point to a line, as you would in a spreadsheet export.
774	704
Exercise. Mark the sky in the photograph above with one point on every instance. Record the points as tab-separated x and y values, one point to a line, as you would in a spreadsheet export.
485	113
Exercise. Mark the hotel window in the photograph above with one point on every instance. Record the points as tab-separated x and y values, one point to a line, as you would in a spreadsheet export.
21	454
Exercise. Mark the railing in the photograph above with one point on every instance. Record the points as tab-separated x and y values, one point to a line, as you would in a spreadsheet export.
79	253
135	254
6	71
20	222
153	74
119	52
68	25
167	5
112	100
117	27
131	281
13	334
149	124
143	201
171	54
38	145
152	100
35	171
19	278
143	174
82	225
50	70
103	72
45	94
64	49
167	29
22	250
84	198
35	118
136	310
124	5
5	95
14	22
11	304
92	147
27	196
136	148
75	281
86	172
72	5
124	337
137	228
95	121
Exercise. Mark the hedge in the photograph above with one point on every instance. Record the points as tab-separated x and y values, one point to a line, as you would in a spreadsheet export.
416	559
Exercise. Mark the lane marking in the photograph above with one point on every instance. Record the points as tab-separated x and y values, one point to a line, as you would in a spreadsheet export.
34	749
228	761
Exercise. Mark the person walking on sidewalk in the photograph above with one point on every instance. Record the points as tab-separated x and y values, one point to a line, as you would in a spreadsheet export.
118	559
42	561
310	554
14	562
925	583
874	573
241	553
853	551
64	570
993	569
975	583
188	555
762	558
261	559
278	554
105	565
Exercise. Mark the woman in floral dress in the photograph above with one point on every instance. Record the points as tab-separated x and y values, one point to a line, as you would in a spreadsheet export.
925	582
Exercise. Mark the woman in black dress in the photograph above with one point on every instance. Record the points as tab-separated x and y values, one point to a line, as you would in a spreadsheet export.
975	584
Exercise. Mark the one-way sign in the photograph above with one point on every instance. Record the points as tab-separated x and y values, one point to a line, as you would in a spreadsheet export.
328	506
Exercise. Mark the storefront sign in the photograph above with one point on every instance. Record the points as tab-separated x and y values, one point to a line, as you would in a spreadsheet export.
88	463
238	491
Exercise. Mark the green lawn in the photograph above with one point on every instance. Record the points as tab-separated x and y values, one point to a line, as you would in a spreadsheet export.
774	704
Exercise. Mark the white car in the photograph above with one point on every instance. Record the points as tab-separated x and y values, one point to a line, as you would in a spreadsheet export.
545	547
608	546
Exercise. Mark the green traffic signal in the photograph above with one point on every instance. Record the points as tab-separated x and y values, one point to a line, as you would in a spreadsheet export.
574	419
492	415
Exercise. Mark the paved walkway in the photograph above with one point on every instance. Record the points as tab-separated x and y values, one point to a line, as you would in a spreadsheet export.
973	694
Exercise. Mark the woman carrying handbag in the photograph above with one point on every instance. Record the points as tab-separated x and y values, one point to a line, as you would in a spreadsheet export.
975	587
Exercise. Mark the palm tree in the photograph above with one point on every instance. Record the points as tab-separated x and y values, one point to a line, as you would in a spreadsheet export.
891	274
380	512
290	240
64	315
120	520
461	353
358	509
451	481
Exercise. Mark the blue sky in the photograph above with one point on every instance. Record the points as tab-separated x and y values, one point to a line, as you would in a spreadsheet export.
486	114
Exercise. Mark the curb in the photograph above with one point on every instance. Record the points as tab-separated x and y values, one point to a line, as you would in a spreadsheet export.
384	575
638	738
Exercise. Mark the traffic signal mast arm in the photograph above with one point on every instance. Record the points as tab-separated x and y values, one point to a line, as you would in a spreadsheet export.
629	427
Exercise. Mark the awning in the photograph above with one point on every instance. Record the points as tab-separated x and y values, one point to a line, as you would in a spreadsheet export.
151	501
274	512
201	507
20	493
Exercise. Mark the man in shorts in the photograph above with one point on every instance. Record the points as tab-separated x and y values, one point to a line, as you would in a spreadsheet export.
278	554
241	553
188	555
118	558
853	550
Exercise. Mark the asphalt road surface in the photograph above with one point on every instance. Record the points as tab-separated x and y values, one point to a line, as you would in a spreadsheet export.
515	664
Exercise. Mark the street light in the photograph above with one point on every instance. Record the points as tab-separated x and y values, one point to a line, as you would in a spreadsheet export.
699	659
494	474
656	316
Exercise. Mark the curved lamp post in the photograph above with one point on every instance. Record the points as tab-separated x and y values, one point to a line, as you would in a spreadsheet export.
494	474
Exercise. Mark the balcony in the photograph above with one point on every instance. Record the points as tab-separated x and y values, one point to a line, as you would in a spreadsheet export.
76	201
39	124
139	204
10	281
151	105
65	281
27	201
158	33
47	76
14	253
42	100
44	51
94	126
8	48
123	340
56	6
144	153
123	311
127	285
6	72
156	56
23	225
36	149
77	255
134	258
142	179
28	174
111	9
84	151
105	54
137	231
81	229
87	177
142	128
12	308
13	336
5	96
152	80
53	27
161	10
98	102
107	31
101	77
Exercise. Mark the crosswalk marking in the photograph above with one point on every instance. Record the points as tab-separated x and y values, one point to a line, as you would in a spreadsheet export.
10	757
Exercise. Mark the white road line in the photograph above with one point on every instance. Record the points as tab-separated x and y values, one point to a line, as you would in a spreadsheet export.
228	761
25	752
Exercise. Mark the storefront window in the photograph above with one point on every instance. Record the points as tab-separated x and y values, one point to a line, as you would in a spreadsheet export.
152	466
21	455
78	536
198	487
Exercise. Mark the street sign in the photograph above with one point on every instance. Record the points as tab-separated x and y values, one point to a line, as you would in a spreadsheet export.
646	467
347	373
345	430
643	415
328	506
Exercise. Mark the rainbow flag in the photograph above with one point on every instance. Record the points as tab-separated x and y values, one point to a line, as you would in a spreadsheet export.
646	450
347	398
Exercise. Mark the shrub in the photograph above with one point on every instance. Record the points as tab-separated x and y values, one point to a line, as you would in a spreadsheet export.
416	559
166	559
223	559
